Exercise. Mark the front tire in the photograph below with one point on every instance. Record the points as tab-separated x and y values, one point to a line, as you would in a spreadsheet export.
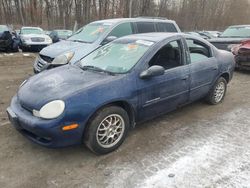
107	130
218	92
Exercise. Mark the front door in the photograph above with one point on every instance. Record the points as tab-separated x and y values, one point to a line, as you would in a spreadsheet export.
164	93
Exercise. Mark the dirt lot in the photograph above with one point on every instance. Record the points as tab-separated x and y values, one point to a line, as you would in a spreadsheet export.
196	146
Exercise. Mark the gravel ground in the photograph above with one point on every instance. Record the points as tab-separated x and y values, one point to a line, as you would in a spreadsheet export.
195	146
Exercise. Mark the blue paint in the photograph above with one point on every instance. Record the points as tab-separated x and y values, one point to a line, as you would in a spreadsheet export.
86	91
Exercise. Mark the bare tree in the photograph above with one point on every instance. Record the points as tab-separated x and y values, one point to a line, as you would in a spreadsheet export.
189	14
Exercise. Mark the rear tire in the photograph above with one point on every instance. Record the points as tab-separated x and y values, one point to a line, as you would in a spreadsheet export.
217	92
107	130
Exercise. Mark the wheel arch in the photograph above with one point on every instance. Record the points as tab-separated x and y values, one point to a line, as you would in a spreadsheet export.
127	107
226	76
120	103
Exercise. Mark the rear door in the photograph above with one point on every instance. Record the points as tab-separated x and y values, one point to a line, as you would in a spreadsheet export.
203	68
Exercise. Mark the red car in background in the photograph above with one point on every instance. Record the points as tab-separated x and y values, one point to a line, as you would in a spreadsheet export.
242	55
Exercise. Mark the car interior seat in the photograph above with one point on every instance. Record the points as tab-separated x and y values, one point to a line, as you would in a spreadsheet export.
167	57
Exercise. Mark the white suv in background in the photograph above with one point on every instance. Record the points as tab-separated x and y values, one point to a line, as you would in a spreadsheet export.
96	34
33	38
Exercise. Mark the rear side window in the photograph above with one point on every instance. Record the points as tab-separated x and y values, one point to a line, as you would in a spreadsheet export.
198	51
122	30
166	27
145	27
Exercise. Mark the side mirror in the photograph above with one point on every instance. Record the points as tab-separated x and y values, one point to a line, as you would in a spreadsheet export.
155	70
108	40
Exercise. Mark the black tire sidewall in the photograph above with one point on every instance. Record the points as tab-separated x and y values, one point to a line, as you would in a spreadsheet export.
211	98
90	132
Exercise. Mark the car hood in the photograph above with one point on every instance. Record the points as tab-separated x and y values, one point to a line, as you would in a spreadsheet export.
34	35
227	40
58	83
67	46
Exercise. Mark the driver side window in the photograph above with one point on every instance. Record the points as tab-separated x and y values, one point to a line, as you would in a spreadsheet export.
169	56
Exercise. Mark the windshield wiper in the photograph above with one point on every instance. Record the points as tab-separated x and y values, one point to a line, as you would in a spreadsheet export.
79	41
94	68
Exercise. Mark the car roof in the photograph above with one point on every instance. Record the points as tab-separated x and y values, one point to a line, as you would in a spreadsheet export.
239	26
145	19
62	30
32	28
157	37
4	26
154	37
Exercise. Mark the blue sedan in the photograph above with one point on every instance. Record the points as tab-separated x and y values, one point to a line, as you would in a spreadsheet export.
128	81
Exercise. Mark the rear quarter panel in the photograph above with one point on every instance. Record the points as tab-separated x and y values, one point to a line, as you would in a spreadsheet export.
226	62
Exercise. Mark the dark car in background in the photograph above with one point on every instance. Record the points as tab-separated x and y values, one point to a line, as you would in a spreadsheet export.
198	34
206	35
214	34
96	34
8	39
233	35
128	81
57	35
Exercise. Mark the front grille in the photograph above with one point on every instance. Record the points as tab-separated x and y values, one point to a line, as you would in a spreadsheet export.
46	58
37	39
40	64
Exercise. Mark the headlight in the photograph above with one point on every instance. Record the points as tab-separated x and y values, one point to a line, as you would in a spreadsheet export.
48	40
63	59
50	110
25	38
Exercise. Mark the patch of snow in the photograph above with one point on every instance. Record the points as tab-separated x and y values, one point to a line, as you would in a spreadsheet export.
26	54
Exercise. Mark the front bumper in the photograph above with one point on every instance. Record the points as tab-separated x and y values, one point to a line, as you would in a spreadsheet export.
34	45
243	65
47	133
30	43
242	62
40	65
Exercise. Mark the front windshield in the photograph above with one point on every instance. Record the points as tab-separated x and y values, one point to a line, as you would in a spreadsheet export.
117	57
3	28
91	32
31	31
237	32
